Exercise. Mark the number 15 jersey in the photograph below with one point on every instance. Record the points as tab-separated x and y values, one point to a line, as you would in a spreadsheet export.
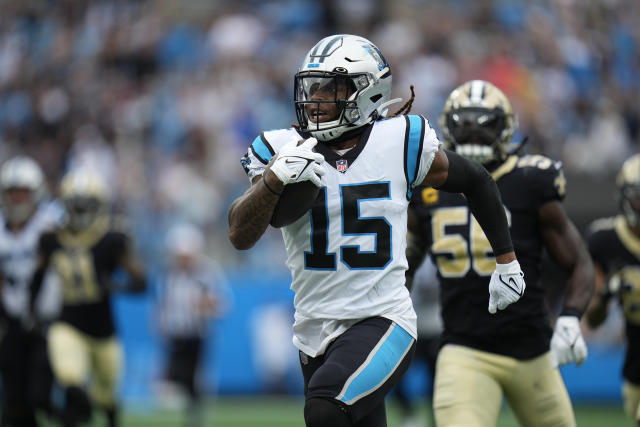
347	255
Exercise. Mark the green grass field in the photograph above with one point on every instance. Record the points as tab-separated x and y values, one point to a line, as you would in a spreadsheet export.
287	412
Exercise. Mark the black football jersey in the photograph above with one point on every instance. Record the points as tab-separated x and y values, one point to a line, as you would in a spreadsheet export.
84	264
616	250
465	261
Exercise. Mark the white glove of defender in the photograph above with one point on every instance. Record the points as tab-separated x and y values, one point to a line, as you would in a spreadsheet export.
567	344
506	286
297	163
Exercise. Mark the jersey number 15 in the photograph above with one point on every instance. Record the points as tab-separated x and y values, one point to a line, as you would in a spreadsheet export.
352	224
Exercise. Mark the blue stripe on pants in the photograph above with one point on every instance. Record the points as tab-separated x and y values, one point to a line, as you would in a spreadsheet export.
379	366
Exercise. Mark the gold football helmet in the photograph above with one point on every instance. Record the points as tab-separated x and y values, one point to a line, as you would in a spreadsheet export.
478	122
628	184
85	197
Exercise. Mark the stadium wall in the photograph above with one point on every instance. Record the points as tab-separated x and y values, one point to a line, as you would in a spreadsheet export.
234	365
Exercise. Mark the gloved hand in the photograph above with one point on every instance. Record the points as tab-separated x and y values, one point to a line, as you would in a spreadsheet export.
297	163
567	344
506	286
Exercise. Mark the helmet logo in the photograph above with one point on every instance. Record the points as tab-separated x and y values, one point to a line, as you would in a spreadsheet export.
377	56
324	52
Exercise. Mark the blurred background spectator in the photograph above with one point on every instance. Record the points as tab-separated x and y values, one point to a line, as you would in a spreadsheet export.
193	289
163	98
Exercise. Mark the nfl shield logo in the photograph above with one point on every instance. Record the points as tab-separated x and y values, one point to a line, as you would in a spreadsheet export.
342	165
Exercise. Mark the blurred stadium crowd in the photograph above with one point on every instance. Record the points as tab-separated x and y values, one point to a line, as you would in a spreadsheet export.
163	97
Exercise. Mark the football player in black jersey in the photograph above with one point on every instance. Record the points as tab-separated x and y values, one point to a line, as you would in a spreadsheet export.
485	357
614	244
83	256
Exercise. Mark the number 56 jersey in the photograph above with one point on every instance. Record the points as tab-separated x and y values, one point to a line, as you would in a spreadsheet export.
347	255
465	261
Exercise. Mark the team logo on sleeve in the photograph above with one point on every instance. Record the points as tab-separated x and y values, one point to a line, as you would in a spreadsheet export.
342	165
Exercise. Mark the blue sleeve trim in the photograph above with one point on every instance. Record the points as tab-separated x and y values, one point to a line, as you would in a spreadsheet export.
262	149
413	142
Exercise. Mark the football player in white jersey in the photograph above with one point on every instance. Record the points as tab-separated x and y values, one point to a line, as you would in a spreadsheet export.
355	325
26	375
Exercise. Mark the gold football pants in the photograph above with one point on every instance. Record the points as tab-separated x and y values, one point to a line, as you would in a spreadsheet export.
77	357
470	384
631	395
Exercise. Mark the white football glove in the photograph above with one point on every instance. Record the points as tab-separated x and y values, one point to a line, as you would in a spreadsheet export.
506	286
297	163
567	344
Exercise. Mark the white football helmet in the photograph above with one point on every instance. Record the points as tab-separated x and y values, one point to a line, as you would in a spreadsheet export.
85	197
478	122
355	80
21	173
628	183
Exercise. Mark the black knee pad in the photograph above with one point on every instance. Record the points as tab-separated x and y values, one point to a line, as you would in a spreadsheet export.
77	405
320	412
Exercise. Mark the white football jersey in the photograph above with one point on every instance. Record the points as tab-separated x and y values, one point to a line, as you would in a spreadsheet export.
347	255
18	258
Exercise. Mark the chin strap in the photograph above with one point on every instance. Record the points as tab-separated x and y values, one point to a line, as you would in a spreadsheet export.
383	108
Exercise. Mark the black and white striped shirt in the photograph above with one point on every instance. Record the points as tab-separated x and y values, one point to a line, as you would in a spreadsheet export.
184	295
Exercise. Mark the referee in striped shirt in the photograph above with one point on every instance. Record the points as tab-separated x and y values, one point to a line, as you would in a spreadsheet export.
192	292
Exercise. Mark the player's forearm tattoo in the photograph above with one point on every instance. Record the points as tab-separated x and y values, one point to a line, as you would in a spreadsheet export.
249	215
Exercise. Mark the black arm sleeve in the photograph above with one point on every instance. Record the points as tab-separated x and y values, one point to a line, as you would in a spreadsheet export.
475	182
45	244
34	289
417	242
415	256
